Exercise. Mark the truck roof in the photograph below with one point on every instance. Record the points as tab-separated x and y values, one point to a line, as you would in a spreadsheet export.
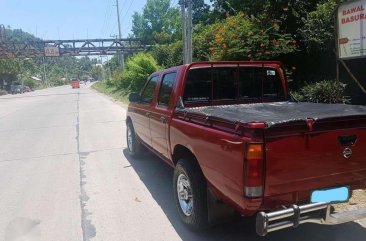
273	64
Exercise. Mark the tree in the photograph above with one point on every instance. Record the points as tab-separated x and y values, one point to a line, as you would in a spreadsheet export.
318	30
138	69
158	22
168	55
97	72
242	38
112	65
288	14
201	13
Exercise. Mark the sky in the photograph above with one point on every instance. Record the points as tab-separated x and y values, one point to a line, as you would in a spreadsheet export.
70	19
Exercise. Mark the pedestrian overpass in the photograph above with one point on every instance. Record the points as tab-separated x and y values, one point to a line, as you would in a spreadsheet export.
78	47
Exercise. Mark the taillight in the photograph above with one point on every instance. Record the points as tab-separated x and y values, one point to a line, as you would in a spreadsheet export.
253	170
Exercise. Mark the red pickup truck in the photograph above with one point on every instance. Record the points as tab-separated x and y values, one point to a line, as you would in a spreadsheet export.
236	139
75	83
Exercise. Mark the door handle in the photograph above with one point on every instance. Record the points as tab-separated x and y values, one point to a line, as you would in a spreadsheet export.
162	119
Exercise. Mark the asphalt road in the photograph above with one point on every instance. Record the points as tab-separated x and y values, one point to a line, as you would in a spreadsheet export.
65	175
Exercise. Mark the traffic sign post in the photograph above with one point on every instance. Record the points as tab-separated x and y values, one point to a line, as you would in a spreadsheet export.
350	35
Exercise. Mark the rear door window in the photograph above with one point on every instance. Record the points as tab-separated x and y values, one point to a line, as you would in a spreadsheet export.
148	93
166	89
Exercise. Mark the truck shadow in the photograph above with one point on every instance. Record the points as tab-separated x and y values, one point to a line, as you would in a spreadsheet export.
157	177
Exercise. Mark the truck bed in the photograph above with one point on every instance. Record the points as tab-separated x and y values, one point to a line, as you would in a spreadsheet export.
277	113
298	162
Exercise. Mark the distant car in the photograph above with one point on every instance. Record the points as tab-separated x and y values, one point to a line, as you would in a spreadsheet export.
27	89
82	82
16	89
75	83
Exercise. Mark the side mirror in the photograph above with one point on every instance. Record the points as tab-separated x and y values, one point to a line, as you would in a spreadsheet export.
134	97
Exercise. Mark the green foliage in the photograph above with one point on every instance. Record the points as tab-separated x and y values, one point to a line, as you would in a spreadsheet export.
112	64
138	69
322	92
158	23
97	72
241	38
201	12
10	66
18	35
168	55
203	39
318	30
33	84
112	91
288	12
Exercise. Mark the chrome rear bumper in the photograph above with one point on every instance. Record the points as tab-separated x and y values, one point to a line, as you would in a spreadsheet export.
309	213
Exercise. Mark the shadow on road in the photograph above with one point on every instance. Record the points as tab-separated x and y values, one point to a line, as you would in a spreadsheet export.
157	177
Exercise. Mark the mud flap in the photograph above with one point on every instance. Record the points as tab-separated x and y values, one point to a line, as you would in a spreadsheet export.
218	212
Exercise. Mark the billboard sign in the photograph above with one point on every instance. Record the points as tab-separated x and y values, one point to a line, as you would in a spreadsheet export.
51	51
352	30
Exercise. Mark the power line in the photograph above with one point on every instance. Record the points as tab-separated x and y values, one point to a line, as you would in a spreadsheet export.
123	4
106	24
174	3
128	9
105	18
115	24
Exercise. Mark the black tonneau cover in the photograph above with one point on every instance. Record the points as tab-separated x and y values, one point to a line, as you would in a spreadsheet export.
276	113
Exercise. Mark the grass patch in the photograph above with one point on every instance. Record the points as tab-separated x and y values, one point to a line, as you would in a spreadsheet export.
116	94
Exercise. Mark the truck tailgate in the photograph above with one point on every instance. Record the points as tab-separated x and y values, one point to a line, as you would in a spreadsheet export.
315	159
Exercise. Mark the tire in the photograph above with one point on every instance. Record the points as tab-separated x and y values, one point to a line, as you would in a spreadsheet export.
134	146
192	203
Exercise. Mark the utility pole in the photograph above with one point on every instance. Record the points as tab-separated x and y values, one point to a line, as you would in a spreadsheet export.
2	32
190	28
184	31
121	58
187	30
44	71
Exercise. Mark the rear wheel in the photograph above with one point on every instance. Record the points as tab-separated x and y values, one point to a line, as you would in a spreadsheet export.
133	144
190	194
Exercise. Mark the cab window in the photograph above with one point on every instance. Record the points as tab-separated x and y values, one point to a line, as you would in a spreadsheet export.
166	89
148	93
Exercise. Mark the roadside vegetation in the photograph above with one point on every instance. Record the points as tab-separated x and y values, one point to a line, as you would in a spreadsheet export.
326	91
296	32
112	91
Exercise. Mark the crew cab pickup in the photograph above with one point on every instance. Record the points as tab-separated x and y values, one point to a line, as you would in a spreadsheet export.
237	139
